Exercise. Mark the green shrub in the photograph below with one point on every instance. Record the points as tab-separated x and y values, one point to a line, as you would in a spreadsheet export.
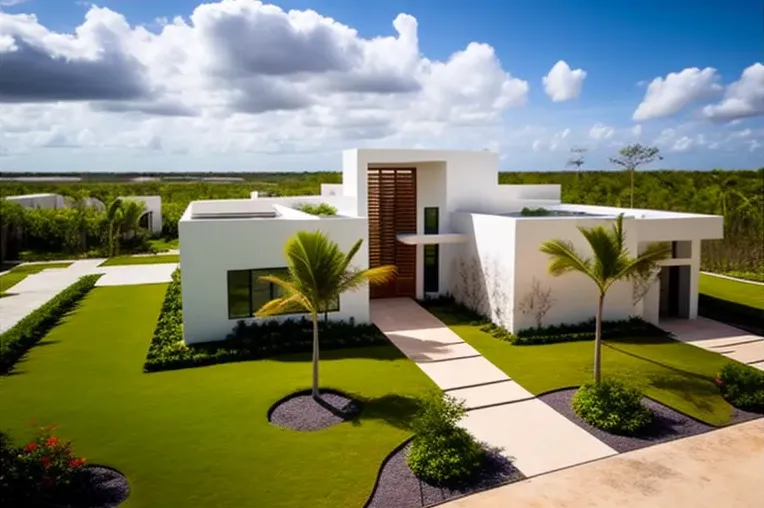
317	209
443	453
38	474
17	340
247	341
742	386
535	212
612	406
583	331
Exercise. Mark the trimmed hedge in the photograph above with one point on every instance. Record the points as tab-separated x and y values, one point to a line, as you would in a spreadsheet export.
736	314
27	332
742	386
247	341
583	331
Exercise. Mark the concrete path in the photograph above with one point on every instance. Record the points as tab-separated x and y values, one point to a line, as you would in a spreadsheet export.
501	412
720	338
721	468
38	288
757	283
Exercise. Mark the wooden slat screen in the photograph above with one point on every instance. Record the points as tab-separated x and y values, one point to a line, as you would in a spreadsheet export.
392	211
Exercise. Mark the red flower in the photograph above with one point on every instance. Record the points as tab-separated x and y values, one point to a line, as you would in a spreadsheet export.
30	447
75	463
51	441
45	461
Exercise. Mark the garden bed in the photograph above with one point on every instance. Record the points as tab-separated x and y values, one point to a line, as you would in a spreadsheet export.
667	425
300	411
397	487
97	487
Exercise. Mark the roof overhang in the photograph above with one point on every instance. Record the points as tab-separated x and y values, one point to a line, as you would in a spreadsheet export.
410	239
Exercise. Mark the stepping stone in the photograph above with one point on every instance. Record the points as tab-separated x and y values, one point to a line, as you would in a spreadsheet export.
536	437
462	373
491	394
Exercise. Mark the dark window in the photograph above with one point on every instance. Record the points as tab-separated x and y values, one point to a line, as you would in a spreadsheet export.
247	293
431	270
431	225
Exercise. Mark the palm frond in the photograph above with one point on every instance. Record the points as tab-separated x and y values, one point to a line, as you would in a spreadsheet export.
283	305
373	276
564	258
643	264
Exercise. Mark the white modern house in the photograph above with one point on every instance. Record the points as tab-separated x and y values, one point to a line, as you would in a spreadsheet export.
150	220
444	220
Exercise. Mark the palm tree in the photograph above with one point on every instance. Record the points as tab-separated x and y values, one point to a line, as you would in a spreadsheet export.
132	212
318	272
113	220
611	263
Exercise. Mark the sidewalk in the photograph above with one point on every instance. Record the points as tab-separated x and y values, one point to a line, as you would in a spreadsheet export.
721	468
501	412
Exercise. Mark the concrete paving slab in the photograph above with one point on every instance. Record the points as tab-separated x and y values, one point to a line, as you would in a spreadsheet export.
758	365
426	351
136	274
718	337
722	468
402	314
492	394
462	373
535	436
747	353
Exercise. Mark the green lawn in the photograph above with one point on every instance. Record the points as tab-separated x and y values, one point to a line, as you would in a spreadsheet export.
743	293
162	244
200	437
141	260
19	273
676	374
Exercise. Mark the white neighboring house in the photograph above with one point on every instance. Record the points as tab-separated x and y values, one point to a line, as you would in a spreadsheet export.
151	219
443	219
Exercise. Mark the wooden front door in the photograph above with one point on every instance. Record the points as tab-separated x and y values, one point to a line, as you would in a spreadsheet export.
392	211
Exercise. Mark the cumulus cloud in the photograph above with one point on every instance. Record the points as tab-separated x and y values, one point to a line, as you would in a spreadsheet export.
636	130
601	131
682	144
562	83
668	96
743	98
295	76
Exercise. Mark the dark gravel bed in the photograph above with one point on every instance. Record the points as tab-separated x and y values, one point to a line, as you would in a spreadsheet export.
740	416
97	487
667	424
397	487
300	411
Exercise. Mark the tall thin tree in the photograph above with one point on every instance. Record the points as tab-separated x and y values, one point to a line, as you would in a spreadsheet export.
577	160
631	157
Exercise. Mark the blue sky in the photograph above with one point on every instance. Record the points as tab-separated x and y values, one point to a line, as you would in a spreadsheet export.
621	46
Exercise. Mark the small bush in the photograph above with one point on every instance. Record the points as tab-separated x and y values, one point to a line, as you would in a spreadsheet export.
535	212
39	473
27	332
612	406
443	453
742	386
324	209
247	341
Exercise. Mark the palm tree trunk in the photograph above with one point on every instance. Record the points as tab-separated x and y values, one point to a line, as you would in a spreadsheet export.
598	342
111	239
314	391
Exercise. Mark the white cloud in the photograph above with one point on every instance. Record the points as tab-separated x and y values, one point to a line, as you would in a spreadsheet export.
753	145
668	96
536	145
601	131
11	3
240	76
743	98
562	83
636	130
682	144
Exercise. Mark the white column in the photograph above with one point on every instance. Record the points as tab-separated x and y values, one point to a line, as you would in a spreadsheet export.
694	278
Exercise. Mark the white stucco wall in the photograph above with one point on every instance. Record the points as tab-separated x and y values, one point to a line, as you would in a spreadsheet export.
211	247
38	200
154	205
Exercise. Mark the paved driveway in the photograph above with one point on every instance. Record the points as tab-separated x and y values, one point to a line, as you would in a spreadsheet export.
501	412
38	288
720	338
719	469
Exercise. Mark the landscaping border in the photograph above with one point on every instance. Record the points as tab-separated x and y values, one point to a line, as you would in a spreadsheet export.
16	341
336	417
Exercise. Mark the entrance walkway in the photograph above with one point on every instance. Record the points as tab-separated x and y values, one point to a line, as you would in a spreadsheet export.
38	288
501	412
720	338
722	468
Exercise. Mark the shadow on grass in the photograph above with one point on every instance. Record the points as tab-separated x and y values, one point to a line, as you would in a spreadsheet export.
393	409
699	391
683	372
375	352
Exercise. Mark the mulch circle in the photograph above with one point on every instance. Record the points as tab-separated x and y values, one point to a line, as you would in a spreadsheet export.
300	411
667	425
97	487
397	487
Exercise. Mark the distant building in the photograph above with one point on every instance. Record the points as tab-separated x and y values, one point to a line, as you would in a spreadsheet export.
222	179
